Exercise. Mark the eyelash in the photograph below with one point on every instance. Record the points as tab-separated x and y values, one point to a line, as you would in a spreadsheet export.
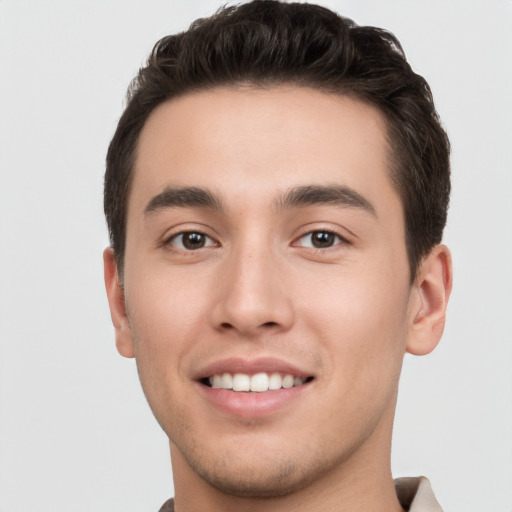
209	242
333	239
338	239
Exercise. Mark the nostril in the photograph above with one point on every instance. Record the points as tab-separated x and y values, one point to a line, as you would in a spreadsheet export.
226	325
269	324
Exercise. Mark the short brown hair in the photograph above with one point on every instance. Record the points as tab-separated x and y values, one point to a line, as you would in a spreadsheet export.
267	42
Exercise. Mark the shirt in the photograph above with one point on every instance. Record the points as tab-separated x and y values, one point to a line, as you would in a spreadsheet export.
414	494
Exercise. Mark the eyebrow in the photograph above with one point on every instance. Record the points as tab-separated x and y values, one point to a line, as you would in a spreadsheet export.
338	195
297	197
184	197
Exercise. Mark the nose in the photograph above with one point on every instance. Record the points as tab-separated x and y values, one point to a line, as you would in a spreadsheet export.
253	298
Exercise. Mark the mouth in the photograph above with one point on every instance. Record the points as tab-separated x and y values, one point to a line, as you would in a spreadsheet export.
261	382
254	388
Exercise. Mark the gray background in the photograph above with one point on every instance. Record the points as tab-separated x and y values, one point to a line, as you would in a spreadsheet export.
75	431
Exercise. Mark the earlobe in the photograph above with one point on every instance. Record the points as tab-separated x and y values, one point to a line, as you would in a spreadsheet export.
431	292
116	301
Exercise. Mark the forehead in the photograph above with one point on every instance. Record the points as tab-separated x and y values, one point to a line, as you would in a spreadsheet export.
236	140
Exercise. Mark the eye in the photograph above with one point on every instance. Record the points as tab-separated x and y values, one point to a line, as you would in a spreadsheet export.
320	239
191	240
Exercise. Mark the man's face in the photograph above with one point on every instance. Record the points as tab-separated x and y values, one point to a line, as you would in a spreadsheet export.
266	246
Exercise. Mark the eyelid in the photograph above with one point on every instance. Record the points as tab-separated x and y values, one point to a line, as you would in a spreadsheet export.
344	239
168	240
338	240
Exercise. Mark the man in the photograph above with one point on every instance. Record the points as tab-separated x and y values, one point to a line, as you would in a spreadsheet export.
276	192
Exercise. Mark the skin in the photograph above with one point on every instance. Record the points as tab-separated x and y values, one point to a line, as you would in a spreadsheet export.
344	314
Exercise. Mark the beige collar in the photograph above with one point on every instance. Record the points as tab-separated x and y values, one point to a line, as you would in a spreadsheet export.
415	495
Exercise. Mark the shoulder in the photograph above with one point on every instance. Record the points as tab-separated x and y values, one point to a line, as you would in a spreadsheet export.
168	506
415	494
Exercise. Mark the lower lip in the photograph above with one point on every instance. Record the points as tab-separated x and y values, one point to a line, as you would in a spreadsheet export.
252	404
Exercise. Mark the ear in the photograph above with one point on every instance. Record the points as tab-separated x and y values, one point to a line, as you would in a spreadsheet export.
429	298
115	295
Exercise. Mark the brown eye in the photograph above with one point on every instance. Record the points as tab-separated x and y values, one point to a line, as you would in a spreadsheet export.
320	239
191	240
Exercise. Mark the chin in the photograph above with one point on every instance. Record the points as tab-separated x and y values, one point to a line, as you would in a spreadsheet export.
251	485
267	478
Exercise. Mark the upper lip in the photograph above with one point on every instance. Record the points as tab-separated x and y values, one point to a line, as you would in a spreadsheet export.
251	366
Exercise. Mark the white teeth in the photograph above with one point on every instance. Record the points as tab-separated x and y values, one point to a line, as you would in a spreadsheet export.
217	381
288	381
275	381
241	382
258	383
227	381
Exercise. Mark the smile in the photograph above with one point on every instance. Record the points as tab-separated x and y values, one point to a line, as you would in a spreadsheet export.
258	383
253	388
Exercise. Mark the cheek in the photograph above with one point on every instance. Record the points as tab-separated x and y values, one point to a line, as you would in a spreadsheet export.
361	318
164	306
165	312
